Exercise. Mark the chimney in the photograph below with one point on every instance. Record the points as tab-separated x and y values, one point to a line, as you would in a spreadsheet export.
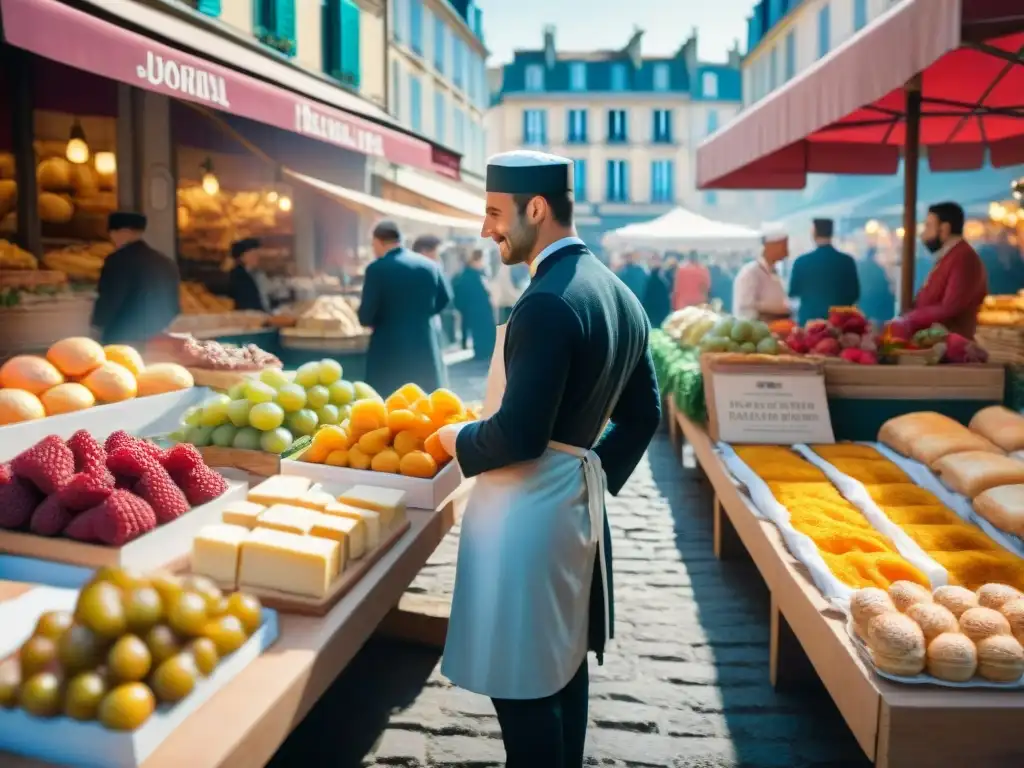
735	57
549	46
633	50
690	50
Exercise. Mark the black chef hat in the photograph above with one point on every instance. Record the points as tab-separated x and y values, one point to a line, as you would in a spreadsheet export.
126	220
525	172
823	227
241	247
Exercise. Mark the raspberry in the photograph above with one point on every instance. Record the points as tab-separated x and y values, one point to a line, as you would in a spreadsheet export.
50	518
118	519
181	459
5	474
159	490
85	490
202	484
121	439
18	500
123	482
89	455
47	465
130	460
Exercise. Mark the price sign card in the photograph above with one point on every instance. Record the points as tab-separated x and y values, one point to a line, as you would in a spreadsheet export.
771	407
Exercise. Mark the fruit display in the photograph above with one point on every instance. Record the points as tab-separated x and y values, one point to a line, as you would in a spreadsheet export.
132	645
679	375
14	257
846	334
107	494
184	349
292	537
196	299
326	316
268	413
933	345
731	334
688	325
81	261
954	634
77	373
397	435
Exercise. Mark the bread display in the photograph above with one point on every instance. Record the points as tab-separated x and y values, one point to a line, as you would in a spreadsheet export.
896	644
933	619
1001	426
1013	611
997	595
955	599
971	473
1000	659
866	604
940	434
15	257
906	593
979	623
1003	506
952	657
196	299
82	261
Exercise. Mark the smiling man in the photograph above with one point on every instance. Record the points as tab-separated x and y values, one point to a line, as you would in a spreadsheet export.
581	403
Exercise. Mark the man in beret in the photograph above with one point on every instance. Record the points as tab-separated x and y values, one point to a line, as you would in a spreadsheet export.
138	289
245	287
823	278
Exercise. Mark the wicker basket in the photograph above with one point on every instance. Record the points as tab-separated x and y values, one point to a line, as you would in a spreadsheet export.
1004	343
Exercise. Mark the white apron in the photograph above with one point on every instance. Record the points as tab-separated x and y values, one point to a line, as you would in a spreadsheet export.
529	538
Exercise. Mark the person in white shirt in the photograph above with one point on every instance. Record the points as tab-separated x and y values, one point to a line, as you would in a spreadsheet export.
758	292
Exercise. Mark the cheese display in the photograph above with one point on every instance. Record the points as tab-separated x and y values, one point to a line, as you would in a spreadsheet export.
1001	426
243	513
215	552
288	562
972	472
388	503
287	518
349	533
371	520
927	437
280	489
132	645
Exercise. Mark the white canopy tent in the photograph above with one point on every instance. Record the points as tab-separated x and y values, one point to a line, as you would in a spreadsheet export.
683	230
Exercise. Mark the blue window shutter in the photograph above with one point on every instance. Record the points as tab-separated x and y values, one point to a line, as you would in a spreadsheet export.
209	7
350	30
284	21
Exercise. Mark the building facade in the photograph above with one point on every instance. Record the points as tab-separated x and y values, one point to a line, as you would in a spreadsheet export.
630	122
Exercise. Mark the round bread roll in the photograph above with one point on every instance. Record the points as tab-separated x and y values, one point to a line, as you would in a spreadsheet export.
896	644
995	595
1000	659
906	593
952	657
956	599
933	620
866	604
979	623
1014	613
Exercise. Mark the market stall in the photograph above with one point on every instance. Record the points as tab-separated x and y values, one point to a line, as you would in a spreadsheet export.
683	230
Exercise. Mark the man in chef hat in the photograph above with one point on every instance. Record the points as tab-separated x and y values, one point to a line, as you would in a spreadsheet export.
757	291
533	581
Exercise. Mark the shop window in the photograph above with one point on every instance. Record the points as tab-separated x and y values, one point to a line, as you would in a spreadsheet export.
340	25
415	103
208	7
579	180
275	24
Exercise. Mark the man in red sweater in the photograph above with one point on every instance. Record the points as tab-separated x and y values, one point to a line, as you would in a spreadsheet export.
957	284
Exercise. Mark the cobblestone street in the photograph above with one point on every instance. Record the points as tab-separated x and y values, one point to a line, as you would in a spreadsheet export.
686	682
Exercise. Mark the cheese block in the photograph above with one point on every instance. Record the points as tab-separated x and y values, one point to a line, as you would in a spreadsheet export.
370	519
389	503
351	534
215	551
288	562
287	518
280	489
314	499
242	513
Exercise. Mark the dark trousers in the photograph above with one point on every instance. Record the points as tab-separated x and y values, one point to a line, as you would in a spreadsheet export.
549	732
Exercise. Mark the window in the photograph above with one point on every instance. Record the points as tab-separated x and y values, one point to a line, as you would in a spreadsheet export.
471	74
773	68
711	198
824	30
458	59
460	130
709	85
712	121
618	181
400	20
618	130
535	77
208	7
416	25
860	14
618	77
662	181
790	55
576	130
535	127
579	180
340	22
577	76
440	110
275	24
662	77
415	103
662	119
440	44
396	91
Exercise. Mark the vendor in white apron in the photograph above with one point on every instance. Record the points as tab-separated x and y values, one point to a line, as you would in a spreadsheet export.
757	291
579	407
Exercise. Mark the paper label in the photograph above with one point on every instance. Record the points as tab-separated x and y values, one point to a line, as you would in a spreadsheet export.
772	409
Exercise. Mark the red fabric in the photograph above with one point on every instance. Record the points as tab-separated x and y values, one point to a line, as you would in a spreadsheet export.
952	294
691	285
847	113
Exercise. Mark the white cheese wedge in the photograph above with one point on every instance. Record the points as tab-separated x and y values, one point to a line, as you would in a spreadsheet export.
242	513
315	499
215	552
389	503
368	518
288	562
280	489
348	532
287	518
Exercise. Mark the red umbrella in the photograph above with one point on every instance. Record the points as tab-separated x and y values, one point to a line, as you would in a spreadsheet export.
943	75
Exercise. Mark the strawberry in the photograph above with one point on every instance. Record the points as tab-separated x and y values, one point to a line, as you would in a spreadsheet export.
85	490
158	489
202	484
18	499
47	465
49	518
115	521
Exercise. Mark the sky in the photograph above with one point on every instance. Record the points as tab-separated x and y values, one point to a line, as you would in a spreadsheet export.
607	24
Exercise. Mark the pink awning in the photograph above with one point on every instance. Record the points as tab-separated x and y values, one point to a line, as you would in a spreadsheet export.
53	30
845	114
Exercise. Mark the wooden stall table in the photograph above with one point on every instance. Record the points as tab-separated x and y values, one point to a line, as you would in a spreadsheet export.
246	722
897	726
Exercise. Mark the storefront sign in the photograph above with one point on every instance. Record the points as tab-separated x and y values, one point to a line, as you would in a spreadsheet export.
54	30
771	408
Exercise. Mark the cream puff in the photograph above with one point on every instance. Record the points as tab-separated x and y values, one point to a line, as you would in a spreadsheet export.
865	605
995	595
1000	659
1013	611
906	593
979	623
933	620
896	644
956	599
952	657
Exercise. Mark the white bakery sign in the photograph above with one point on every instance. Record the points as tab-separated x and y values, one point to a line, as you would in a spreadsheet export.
775	409
312	122
186	79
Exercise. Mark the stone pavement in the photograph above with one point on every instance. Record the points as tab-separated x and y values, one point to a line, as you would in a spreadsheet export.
685	684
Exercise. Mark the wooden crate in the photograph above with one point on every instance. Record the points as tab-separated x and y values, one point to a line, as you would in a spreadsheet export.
1004	344
256	463
912	382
